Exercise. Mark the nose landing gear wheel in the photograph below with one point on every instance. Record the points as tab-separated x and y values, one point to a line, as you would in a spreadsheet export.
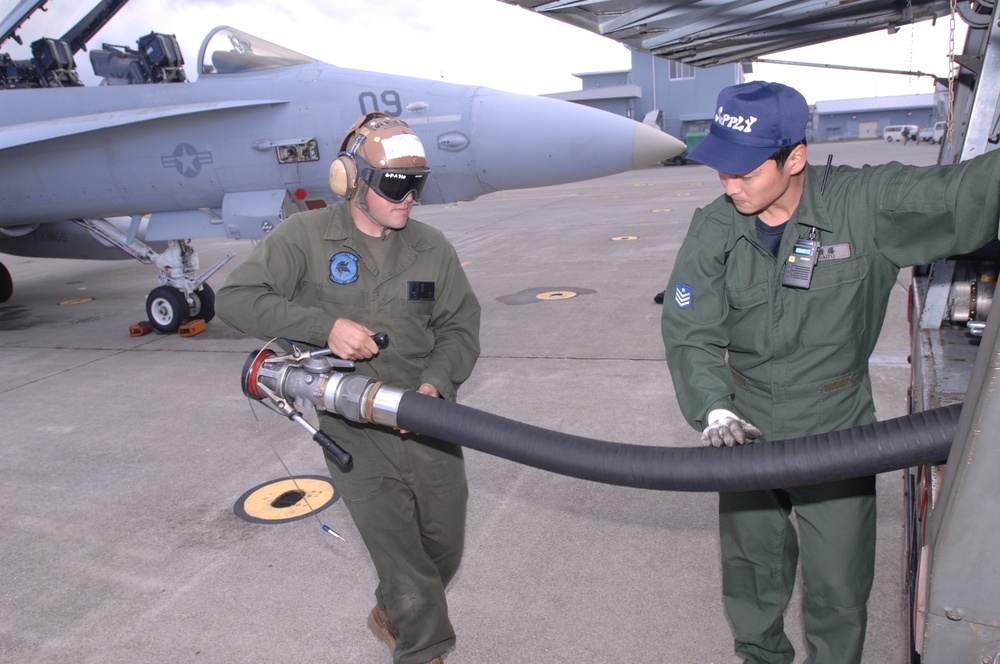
204	303
167	309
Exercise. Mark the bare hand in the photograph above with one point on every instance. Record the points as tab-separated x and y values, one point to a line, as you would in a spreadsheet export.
351	341
429	390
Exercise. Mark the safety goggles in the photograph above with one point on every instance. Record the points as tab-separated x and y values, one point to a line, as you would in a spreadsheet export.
396	185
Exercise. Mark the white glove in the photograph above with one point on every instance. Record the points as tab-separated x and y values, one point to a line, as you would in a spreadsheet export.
728	428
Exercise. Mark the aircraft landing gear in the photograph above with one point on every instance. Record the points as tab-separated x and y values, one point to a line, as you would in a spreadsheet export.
204	303
167	308
180	296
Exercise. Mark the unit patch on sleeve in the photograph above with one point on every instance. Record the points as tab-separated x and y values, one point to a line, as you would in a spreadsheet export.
682	295
344	268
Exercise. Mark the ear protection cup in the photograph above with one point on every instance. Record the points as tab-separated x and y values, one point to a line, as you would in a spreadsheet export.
344	169
344	175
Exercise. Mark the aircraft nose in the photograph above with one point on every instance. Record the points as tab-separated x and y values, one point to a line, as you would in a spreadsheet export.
652	146
522	141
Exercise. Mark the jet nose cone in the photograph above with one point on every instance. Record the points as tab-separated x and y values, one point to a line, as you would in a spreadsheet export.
652	146
521	141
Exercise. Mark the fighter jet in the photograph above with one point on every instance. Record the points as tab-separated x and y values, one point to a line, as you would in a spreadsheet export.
147	161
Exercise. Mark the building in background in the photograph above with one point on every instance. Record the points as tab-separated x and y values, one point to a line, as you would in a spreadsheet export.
846	119
680	99
676	97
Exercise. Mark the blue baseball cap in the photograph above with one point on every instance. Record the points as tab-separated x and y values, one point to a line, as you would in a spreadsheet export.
752	121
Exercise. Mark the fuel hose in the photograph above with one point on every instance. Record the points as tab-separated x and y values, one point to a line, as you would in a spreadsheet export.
903	442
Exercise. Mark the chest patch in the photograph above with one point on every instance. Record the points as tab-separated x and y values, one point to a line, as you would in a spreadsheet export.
682	295
420	290
344	268
834	252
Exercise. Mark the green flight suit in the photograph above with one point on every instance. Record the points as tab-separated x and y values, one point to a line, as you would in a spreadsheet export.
406	494
795	362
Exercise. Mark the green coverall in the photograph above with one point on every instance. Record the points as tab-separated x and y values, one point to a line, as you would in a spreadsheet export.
795	362
406	494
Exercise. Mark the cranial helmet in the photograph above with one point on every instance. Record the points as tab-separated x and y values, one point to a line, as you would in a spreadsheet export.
384	153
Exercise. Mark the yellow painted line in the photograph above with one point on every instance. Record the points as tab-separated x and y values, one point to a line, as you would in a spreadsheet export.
79	300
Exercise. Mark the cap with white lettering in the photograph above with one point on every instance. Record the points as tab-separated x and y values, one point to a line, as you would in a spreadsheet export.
752	121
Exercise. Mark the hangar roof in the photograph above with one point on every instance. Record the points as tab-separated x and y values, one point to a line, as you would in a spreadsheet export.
714	32
894	102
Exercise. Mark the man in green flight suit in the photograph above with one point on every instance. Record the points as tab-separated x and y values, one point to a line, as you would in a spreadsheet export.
336	276
773	308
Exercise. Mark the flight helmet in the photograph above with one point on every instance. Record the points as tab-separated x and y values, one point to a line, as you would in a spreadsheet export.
381	152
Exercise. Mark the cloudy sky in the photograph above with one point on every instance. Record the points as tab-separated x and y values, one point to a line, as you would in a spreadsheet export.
483	42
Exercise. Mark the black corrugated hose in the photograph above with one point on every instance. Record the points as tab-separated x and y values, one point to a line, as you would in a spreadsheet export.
902	442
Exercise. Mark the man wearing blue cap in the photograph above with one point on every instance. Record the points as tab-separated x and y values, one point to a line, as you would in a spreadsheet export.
773	308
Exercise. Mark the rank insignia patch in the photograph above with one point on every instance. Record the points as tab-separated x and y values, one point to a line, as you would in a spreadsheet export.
344	268
682	295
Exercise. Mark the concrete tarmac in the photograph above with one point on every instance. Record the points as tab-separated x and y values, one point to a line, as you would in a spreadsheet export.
123	459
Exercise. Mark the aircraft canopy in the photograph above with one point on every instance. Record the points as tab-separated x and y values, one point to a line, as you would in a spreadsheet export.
227	50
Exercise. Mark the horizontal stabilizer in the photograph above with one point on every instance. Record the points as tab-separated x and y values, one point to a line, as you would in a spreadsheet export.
45	130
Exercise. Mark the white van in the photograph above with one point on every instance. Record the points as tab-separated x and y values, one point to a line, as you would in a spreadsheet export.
895	132
939	131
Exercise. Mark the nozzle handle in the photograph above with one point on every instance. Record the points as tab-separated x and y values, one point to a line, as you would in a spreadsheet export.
340	456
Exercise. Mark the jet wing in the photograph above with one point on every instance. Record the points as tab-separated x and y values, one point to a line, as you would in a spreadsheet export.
705	33
34	132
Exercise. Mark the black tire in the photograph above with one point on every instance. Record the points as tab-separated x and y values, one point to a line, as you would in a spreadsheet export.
912	545
6	284
204	303
167	309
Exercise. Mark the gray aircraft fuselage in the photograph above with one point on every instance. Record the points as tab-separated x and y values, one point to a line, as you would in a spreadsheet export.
118	150
133	168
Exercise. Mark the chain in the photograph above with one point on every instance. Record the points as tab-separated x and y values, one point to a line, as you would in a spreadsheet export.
952	73
913	38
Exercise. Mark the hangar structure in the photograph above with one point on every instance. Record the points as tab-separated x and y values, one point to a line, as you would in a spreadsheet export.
705	45
705	33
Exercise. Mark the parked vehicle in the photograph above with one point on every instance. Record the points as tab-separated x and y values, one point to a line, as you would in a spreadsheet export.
691	140
896	132
939	132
